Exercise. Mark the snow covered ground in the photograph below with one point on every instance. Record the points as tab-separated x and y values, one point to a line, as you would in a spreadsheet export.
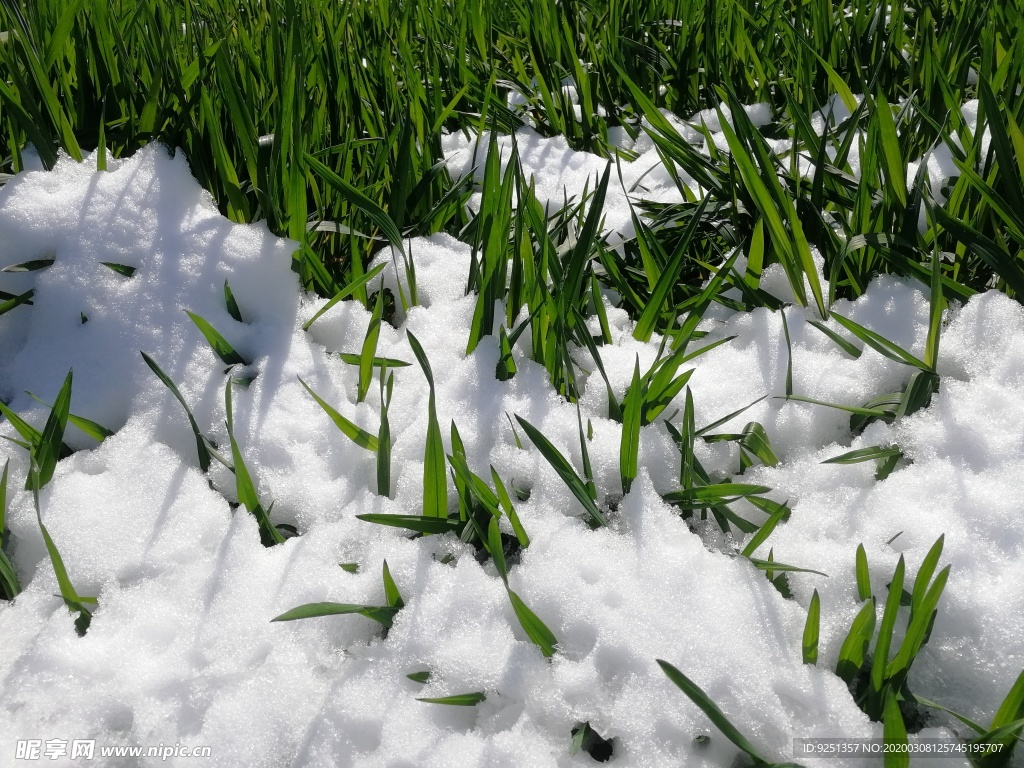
181	648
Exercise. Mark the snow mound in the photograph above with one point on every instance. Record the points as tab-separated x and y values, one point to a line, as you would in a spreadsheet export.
181	649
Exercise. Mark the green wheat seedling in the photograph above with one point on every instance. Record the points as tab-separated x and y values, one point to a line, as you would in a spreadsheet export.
996	743
217	342
479	503
382	614
44	453
535	629
435	481
579	486
9	583
9	301
457	700
716	716
244	486
876	675
206	449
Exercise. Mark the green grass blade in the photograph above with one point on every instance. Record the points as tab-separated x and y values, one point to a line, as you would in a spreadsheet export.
629	445
344	293
391	593
219	344
535	629
880	344
384	437
231	304
381	614
564	470
366	356
417	523
435	477
356	434
46	452
458	700
811	630
863	574
507	507
374	212
91	428
894	735
864	454
709	708
201	449
885	630
855	647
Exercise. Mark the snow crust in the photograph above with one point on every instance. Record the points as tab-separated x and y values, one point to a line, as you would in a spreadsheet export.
181	648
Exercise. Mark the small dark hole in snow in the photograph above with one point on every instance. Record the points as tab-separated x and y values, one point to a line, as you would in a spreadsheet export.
586	739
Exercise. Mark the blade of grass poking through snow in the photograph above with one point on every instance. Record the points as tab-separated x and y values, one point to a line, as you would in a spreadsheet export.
851	349
30	266
878	692
46	451
789	353
435	476
71	598
369	348
231	304
9	584
629	445
811	629
918	631
771	565
864	454
881	344
874	412
91	428
244	486
201	449
936	303
356	434
458	700
344	293
564	470
378	362
219	344
781	513
894	734
15	301
510	511
535	629
384	435
863	574
391	593
855	647
374	212
382	614
417	523
709	708
121	269
1004	732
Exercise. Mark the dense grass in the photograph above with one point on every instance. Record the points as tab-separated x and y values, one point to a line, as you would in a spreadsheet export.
325	119
251	90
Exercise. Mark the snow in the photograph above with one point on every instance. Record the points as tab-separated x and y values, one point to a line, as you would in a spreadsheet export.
181	648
